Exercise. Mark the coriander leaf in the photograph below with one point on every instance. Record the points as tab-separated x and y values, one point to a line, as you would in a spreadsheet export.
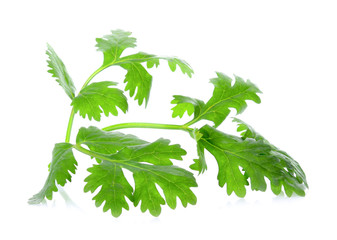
114	44
247	131
138	81
226	96
174	181
59	71
286	160
137	78
184	67
199	163
257	160
114	189
97	98
186	104
158	152
150	164
62	163
106	142
153	60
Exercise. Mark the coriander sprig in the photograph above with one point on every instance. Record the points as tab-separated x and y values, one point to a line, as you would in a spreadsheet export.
245	160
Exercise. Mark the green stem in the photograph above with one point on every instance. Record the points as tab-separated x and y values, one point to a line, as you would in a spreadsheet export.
148	125
93	75
191	122
70	125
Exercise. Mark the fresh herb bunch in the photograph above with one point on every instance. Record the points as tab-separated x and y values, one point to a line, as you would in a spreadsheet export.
245	160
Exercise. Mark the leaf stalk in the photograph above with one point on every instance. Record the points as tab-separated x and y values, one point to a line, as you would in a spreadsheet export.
70	125
147	125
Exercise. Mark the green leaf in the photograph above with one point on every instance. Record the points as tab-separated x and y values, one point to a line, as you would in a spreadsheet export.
62	163
285	159
184	66
106	142
59	71
97	98
114	189
186	104
114	44
138	82
154	60
150	164
225	96
240	160
158	152
174	181
247	131
199	163
137	77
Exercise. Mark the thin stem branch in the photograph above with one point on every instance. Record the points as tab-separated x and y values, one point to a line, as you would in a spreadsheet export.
147	125
70	125
191	122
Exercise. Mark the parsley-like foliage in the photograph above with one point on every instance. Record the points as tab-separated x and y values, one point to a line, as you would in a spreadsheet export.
244	160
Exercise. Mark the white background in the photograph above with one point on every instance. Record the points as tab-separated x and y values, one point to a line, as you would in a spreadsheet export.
287	48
